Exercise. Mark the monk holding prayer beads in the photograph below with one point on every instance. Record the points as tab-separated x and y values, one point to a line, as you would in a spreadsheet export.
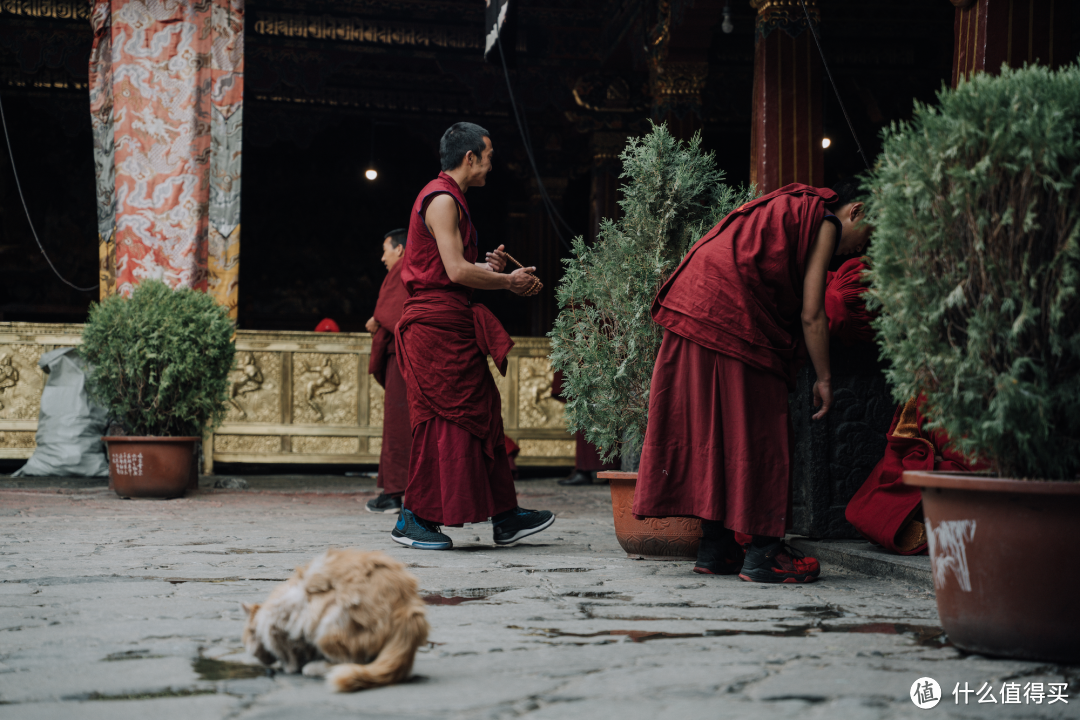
458	468
718	444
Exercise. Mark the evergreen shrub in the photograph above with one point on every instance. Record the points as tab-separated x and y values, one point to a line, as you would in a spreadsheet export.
161	359
604	340
976	266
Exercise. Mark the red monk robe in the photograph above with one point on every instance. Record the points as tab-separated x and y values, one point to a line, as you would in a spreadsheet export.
718	444
458	471
849	320
885	510
383	366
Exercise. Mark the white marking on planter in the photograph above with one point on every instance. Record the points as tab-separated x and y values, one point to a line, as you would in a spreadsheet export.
128	464
948	550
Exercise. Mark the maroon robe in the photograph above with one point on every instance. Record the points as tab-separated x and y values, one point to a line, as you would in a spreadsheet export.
587	455
718	445
458	471
397	431
849	320
885	510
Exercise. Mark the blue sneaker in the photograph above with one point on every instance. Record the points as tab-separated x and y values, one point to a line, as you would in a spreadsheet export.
421	534
518	523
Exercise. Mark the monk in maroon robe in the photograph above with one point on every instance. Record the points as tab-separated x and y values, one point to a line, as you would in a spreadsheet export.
397	431
458	469
885	510
736	311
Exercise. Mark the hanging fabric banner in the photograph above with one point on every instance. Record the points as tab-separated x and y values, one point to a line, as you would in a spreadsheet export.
166	92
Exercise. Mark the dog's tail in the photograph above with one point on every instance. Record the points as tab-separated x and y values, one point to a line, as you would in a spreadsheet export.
393	663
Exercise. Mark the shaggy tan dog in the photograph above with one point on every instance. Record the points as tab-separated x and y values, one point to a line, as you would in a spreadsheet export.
352	616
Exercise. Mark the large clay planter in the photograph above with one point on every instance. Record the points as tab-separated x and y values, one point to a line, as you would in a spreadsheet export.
152	467
674	538
1001	553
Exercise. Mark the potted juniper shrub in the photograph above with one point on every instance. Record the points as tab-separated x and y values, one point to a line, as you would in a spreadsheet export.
161	363
604	340
976	275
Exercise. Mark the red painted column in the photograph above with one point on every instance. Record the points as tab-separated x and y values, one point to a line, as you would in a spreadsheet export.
989	33
786	129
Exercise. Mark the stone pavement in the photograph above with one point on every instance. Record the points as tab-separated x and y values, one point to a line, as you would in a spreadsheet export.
116	608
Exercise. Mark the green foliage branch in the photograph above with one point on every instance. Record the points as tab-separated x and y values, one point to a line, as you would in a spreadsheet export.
604	339
161	359
976	266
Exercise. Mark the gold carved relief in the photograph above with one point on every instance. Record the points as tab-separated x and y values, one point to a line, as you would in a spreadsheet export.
536	407
374	446
254	388
21	381
324	388
325	444
376	400
17	440
547	448
247	444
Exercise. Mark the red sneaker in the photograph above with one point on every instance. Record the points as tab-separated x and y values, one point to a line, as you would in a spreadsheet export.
778	563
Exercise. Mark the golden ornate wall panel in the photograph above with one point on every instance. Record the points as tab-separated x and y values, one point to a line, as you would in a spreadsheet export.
295	397
21	380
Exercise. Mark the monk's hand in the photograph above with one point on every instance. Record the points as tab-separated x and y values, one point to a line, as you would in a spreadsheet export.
372	325
496	259
823	398
523	282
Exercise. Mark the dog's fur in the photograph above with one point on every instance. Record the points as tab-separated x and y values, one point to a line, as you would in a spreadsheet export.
358	610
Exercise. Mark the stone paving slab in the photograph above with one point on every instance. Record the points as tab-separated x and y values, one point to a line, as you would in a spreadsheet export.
130	608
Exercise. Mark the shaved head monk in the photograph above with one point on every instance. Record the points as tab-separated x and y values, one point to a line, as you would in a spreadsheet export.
735	312
458	468
383	366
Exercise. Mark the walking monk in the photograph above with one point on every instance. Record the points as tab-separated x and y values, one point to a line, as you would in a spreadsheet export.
718	444
458	469
396	431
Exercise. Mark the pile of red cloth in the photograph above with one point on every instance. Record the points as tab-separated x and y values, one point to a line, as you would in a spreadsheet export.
885	510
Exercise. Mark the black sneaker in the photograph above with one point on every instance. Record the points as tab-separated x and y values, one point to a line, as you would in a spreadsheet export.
518	523
414	532
778	563
384	504
718	553
578	477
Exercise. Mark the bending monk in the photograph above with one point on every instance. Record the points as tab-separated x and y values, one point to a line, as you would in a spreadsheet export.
718	445
458	469
396	430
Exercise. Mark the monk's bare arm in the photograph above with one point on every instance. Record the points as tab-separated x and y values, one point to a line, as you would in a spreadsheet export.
815	322
442	219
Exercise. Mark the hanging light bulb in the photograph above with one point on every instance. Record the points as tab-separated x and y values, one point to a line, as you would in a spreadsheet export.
371	173
825	142
727	25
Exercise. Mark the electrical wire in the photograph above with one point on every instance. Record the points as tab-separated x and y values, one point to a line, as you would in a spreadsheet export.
523	129
33	231
813	31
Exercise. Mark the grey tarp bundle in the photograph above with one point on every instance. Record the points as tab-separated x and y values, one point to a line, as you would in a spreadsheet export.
69	425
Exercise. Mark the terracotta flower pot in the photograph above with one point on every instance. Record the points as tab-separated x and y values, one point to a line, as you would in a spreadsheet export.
152	467
1000	551
673	538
